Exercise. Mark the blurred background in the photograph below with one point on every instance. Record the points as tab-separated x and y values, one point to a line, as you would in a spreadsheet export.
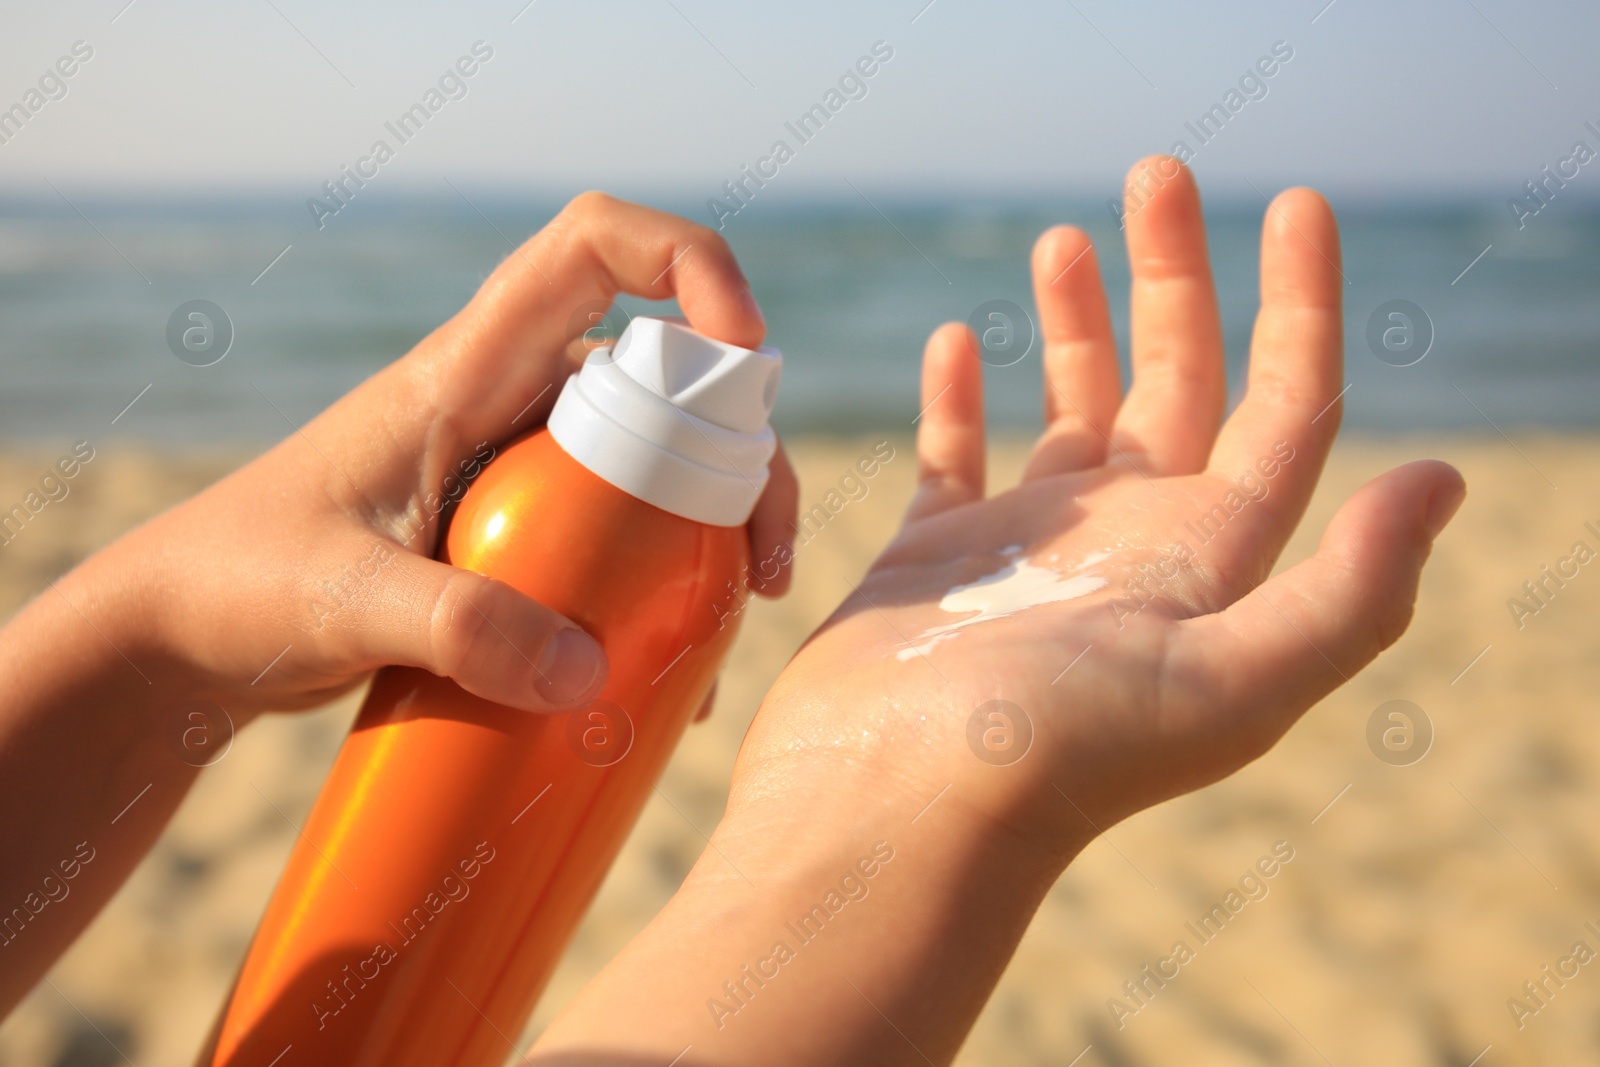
191	155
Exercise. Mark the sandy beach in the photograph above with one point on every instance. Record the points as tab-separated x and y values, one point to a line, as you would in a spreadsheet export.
1418	900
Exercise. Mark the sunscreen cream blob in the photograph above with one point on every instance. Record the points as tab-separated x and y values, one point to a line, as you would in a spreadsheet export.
1015	587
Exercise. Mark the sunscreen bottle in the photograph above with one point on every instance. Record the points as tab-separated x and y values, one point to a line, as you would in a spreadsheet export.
456	843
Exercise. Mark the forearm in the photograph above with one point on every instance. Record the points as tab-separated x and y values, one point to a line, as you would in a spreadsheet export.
87	777
782	948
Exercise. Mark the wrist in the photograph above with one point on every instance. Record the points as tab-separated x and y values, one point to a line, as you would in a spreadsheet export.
807	828
806	764
961	855
110	611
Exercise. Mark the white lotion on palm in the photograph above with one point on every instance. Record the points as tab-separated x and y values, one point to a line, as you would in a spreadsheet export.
1015	587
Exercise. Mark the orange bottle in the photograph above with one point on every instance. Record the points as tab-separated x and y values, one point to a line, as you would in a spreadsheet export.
457	843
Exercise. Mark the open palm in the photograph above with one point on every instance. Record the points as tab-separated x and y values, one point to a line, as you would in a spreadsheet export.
1156	656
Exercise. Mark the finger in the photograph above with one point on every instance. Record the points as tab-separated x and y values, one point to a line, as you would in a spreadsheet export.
1291	406
705	705
1082	383
505	350
1280	649
772	528
599	246
1170	417
950	454
487	637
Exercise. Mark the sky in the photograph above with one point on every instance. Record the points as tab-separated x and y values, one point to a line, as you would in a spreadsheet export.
1432	98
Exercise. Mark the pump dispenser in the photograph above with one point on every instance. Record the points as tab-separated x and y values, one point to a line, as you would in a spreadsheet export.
456	843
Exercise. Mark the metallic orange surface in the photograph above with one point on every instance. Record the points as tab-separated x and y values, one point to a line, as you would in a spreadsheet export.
457	843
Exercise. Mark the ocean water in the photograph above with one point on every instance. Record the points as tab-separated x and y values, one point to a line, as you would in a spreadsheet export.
850	291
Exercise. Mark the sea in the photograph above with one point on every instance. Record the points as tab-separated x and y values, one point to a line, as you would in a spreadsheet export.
1498	325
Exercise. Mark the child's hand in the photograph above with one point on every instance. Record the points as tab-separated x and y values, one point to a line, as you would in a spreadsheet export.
1180	661
302	572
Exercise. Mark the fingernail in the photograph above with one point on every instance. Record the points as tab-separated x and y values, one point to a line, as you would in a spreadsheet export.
1442	507
571	665
747	301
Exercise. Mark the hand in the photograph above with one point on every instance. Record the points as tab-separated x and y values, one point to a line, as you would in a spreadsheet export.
317	558
1180	660
294	578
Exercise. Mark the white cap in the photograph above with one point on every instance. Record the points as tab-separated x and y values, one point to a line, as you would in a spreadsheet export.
675	419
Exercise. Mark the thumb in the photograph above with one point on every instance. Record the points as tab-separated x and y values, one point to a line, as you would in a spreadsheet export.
1302	633
488	638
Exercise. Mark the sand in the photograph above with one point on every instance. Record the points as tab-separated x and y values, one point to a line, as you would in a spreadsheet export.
1418	900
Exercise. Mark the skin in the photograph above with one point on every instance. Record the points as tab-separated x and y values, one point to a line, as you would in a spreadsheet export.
193	609
853	747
